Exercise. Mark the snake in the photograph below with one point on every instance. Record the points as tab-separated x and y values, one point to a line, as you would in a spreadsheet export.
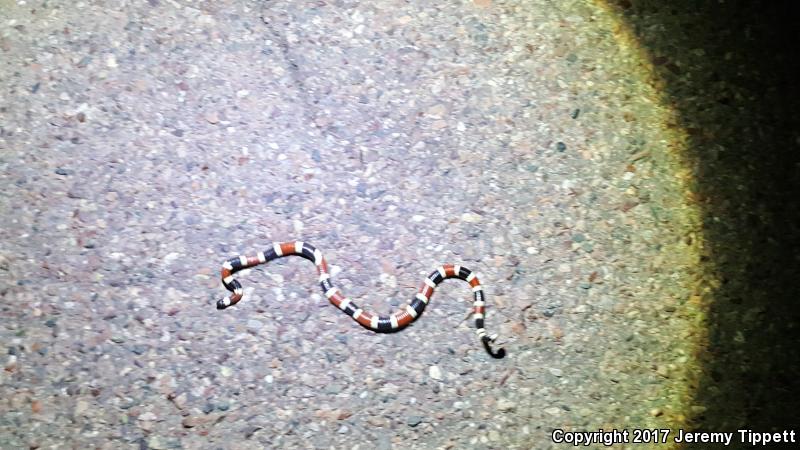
380	324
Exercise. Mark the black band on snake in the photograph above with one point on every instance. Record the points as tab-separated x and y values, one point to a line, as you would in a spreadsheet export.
380	324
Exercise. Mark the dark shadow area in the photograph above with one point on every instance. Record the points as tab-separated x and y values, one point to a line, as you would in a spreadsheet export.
730	71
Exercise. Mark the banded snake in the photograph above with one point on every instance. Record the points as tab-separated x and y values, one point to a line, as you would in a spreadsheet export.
380	324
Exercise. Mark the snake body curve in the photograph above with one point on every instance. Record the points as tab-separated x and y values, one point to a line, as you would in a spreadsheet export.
370	320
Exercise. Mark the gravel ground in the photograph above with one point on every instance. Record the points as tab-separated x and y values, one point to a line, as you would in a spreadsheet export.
142	146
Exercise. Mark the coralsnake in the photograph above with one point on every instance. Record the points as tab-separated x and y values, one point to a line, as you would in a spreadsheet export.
380	324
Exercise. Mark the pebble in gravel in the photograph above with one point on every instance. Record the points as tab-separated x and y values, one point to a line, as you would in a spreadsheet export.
506	405
413	421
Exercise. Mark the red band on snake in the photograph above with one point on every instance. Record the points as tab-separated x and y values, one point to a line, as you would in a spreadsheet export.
380	324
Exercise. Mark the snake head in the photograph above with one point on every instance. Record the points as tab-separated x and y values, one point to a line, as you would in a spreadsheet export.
497	354
222	304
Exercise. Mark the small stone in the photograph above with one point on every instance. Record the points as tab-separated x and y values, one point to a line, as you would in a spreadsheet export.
207	408
81	407
145	425
343	429
192	421
225	371
437	111
76	193
111	61
242	93
561	147
413	421
250	431
157	443
254	324
435	373
148	417
655	412
63	172
139	349
471	217
575	113
578	237
117	339
585	285
212	117
553	411
506	405
556	372
564	268
180	400
376	421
